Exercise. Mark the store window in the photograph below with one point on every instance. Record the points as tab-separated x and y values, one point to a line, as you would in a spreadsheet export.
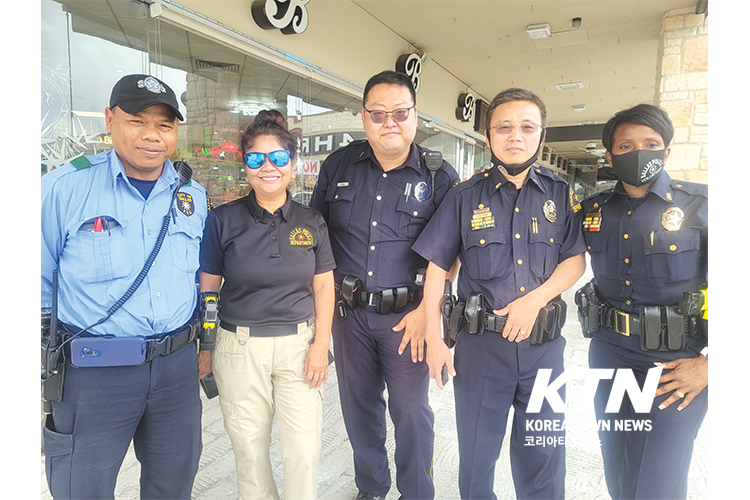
88	46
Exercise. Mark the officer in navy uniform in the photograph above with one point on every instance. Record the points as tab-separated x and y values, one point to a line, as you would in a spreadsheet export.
515	229
101	216
648	241
376	196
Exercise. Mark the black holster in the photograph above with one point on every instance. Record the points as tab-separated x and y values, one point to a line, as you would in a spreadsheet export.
588	309
474	313
447	305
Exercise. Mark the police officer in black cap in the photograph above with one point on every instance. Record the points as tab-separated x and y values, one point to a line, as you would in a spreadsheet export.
376	196
647	305
516	231
132	375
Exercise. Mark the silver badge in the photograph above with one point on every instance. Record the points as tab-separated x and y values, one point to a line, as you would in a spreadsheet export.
420	191
550	210
152	85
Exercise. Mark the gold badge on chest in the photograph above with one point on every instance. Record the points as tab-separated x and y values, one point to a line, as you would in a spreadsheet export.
672	219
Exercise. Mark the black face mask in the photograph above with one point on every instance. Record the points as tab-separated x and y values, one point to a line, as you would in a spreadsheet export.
638	167
514	169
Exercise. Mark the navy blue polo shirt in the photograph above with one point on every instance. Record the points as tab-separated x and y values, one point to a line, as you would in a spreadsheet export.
647	251
267	260
374	216
509	240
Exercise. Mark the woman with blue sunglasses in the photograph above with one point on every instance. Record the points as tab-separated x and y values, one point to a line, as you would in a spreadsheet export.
271	259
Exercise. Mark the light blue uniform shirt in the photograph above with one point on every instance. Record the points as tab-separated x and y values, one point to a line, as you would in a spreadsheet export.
95	268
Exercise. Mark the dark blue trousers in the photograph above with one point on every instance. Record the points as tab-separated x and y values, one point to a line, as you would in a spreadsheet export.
156	405
644	464
493	374
367	361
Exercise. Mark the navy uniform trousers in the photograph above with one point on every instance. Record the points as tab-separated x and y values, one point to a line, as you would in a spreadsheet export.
156	405
367	361
491	375
644	464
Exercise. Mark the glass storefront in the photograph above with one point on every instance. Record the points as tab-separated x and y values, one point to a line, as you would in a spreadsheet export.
88	46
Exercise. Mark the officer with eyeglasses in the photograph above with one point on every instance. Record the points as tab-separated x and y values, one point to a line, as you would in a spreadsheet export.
377	195
516	230
270	259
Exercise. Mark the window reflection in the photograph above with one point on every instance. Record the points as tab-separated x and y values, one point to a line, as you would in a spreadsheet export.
88	46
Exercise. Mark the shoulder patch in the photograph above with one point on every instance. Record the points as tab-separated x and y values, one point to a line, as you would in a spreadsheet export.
575	204
81	162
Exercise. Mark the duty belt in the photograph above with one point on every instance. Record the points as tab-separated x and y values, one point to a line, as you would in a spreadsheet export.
660	328
352	295
477	318
164	345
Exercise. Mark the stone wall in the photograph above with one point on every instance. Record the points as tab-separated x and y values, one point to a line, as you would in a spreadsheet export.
682	90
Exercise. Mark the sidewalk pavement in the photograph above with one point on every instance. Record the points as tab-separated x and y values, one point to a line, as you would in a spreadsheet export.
584	480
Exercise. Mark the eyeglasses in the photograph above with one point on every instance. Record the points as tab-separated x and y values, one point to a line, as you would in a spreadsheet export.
526	128
399	115
279	158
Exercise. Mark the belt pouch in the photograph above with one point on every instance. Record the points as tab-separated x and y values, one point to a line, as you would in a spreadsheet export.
544	326
675	337
474	313
107	351
385	304
650	317
402	298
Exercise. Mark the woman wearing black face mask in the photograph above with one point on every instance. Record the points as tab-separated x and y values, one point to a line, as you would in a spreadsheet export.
648	241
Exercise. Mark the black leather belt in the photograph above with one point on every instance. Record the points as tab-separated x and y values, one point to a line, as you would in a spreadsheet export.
267	331
621	322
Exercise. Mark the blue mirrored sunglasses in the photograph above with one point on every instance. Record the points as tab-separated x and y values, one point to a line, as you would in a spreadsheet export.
279	158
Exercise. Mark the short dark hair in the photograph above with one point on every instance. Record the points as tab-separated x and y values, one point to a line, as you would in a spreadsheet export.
515	94
642	114
269	122
389	77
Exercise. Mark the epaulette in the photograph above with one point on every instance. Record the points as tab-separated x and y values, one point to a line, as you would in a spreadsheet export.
691	188
548	173
81	162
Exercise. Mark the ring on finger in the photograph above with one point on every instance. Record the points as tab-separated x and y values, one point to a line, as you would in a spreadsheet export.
679	394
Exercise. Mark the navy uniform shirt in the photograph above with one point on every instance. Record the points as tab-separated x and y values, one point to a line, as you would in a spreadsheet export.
509	240
374	216
267	260
647	251
97	265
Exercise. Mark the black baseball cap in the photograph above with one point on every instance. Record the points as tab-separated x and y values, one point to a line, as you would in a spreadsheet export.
134	93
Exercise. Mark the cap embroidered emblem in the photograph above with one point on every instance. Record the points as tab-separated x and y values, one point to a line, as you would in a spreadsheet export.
152	85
